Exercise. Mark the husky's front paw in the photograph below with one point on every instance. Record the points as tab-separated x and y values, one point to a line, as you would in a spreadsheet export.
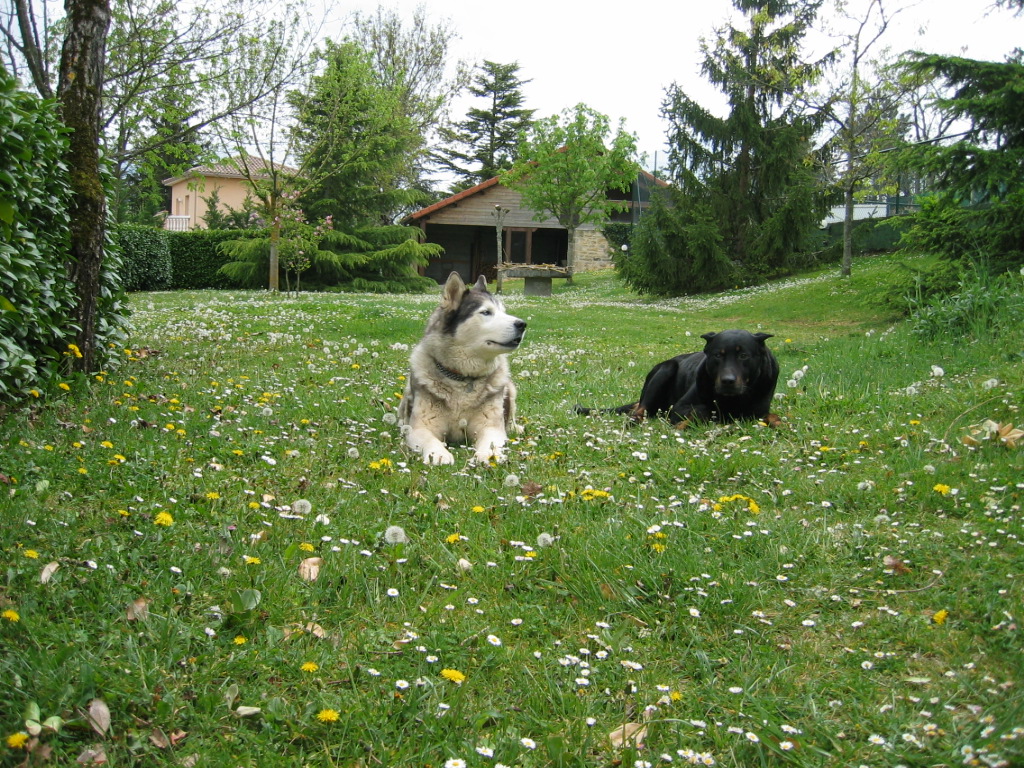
438	457
487	455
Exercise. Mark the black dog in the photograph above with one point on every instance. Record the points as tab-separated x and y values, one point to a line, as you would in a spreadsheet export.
733	378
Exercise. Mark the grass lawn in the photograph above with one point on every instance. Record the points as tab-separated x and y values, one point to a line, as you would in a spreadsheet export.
221	554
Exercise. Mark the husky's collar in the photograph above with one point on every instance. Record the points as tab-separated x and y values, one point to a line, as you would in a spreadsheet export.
454	375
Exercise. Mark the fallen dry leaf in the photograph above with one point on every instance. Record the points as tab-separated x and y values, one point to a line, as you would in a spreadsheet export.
94	755
897	565
47	573
1007	434
629	734
99	716
309	569
247	711
158	739
300	629
531	489
138	609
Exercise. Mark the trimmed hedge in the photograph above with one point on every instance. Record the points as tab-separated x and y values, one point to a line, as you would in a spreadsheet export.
146	257
36	298
196	257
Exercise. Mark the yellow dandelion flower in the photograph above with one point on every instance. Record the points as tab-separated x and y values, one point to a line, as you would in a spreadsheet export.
17	740
307	547
240	640
107	444
213	495
31	554
11	615
942	488
310	666
164	519
250	560
477	508
939	617
328	715
452	538
453	675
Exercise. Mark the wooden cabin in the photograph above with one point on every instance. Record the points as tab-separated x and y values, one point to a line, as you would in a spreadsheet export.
465	225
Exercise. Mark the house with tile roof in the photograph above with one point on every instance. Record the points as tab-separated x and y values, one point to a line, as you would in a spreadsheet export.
465	225
190	191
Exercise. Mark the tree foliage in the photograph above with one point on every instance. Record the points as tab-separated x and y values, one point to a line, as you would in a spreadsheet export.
567	165
353	140
753	173
864	108
411	61
977	213
174	75
485	143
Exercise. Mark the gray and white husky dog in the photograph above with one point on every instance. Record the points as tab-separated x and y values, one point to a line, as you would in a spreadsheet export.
459	388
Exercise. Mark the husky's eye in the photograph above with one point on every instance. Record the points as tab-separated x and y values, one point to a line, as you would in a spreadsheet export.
487	312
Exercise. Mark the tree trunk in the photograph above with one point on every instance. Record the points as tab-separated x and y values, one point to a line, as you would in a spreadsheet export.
79	92
274	280
847	267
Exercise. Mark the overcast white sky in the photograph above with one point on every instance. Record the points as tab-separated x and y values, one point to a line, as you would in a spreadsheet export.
619	58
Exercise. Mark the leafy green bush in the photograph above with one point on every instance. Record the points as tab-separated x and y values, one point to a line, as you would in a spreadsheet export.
37	297
982	305
196	258
675	251
145	257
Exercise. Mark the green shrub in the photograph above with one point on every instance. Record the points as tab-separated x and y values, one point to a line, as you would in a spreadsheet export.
676	250
196	258
145	257
979	305
37	297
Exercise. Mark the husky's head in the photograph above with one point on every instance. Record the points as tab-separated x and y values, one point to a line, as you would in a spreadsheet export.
477	319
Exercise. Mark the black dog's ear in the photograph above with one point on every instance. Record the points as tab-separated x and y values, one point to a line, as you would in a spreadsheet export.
708	336
762	337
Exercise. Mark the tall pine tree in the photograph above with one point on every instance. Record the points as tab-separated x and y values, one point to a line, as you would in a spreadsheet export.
976	215
748	181
484	144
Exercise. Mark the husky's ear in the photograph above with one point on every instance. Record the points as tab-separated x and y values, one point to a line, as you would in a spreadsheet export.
451	297
480	284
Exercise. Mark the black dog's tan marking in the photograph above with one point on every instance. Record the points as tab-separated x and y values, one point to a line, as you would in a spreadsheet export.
732	379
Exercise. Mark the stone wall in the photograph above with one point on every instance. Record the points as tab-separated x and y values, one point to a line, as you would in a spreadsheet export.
592	250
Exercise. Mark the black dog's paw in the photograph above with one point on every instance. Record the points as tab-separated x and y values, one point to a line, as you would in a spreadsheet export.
581	410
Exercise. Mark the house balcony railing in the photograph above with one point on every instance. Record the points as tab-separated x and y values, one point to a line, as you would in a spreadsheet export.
178	223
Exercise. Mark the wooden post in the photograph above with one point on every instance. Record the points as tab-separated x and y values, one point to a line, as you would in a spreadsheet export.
499	215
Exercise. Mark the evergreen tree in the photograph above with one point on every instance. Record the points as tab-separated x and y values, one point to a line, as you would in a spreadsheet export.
977	214
484	144
753	174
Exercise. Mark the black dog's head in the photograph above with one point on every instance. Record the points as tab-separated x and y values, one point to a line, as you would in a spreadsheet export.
735	360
